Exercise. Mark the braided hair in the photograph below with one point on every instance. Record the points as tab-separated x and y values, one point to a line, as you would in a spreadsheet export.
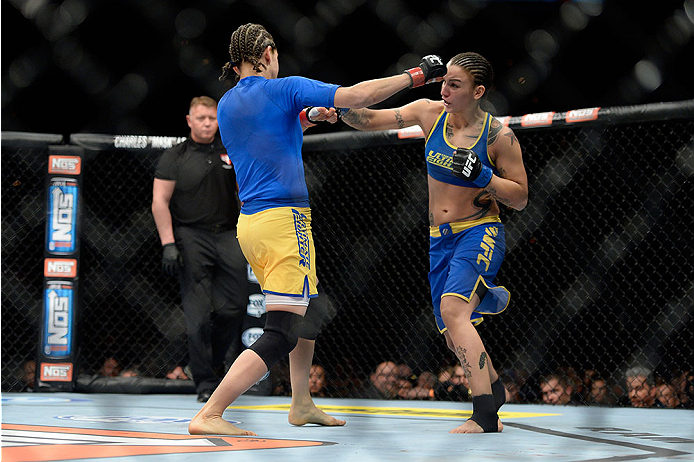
247	44
477	65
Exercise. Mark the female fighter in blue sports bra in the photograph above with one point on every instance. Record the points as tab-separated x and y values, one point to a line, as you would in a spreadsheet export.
261	123
473	164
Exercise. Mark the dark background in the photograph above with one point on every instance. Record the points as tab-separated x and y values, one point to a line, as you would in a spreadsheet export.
132	66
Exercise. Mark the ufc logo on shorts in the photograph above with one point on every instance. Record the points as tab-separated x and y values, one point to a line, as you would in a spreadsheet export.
487	245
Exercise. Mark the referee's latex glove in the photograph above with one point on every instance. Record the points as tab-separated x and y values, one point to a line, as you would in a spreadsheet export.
171	259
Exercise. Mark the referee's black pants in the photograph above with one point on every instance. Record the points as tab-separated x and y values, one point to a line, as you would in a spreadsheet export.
214	295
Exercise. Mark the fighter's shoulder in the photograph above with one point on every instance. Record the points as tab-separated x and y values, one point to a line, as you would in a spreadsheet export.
500	133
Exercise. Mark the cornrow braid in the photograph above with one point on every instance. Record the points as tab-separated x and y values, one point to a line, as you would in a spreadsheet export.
477	65
247	44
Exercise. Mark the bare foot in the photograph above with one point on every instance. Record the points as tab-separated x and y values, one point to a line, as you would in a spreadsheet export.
302	415
470	426
215	425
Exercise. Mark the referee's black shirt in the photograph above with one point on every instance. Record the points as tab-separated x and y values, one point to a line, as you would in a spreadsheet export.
205	192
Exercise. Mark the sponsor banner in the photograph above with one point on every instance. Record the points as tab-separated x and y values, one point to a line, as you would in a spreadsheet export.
58	304
256	305
537	119
582	115
64	165
144	142
60	267
410	132
56	372
62	215
504	120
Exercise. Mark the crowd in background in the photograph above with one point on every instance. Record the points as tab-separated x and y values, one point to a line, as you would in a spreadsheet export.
636	387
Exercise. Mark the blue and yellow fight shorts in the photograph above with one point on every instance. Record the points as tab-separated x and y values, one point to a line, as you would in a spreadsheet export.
278	245
463	255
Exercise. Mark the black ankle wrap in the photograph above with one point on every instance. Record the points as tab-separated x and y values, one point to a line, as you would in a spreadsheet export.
499	393
484	413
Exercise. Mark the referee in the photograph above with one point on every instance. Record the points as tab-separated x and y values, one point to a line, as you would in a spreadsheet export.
195	207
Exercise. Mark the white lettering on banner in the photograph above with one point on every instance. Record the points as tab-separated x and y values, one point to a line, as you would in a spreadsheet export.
64	163
130	142
165	142
60	266
62	216
56	371
57	319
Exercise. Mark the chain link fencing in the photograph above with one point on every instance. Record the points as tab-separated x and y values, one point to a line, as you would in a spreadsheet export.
599	264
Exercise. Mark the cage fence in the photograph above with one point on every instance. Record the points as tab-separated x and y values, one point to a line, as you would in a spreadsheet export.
599	264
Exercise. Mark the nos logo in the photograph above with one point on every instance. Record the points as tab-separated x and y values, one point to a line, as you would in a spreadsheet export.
56	372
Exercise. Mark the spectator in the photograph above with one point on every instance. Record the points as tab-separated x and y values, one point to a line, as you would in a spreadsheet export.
384	382
423	388
684	384
453	385
28	376
667	396
426	380
177	374
640	388
130	372
557	389
110	368
317	381
195	207
601	393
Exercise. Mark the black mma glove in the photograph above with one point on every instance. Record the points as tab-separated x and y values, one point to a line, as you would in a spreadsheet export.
467	166
428	71
171	259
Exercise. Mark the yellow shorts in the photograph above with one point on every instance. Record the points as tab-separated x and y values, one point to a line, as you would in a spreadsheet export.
278	245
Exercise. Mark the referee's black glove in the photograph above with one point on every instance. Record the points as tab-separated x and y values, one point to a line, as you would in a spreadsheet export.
171	259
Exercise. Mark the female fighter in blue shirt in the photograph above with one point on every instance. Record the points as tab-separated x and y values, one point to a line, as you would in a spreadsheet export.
261	124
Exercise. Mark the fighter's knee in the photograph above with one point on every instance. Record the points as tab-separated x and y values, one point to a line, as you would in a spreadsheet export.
455	309
279	338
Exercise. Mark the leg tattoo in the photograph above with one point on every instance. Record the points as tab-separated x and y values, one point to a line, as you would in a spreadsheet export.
460	353
483	359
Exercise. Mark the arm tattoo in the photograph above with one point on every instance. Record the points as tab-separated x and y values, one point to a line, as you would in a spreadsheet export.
494	131
496	196
512	136
483	359
398	119
431	219
356	118
460	353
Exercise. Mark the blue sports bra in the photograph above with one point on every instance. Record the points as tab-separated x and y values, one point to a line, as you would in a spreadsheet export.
439	152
